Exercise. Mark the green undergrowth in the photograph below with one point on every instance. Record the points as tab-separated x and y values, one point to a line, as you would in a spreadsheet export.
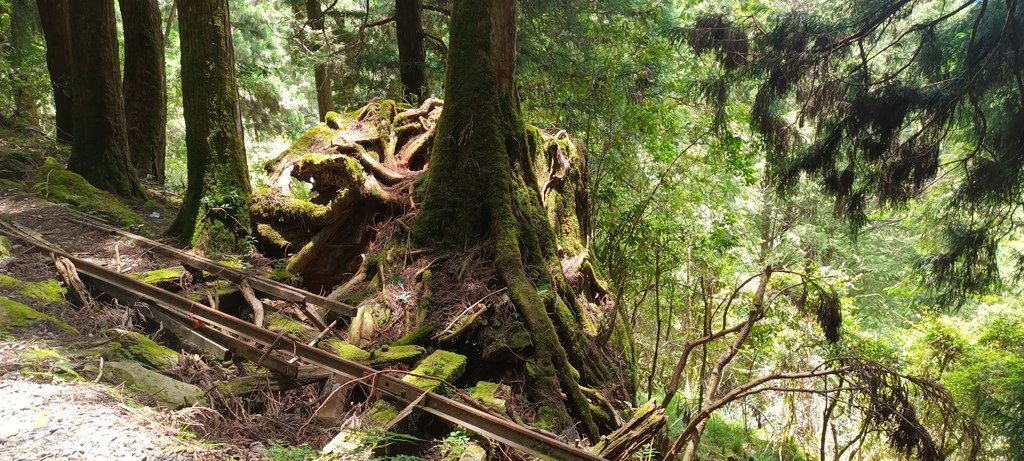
45	292
48	364
5	248
139	347
727	440
281	451
14	315
55	183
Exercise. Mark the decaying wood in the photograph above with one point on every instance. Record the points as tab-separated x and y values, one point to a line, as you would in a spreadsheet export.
79	294
195	262
647	421
254	302
265	380
333	406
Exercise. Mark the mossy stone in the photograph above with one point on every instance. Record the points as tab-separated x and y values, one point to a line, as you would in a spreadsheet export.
46	292
138	347
491	395
58	185
473	452
165	390
15	315
443	365
345	350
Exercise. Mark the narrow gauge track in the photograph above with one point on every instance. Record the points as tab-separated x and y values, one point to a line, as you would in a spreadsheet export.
271	287
223	327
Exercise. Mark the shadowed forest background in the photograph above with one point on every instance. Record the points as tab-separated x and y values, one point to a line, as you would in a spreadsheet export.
794	228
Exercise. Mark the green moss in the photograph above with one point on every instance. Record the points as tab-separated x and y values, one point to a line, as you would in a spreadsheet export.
281	274
491	395
443	365
47	364
396	354
5	248
269	205
167	391
161	276
225	292
15	315
381	412
271	235
138	347
345	350
280	322
46	292
416	336
334	120
33	356
59	185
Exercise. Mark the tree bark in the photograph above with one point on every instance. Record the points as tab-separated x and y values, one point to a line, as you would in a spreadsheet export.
23	31
145	87
214	214
100	149
321	72
481	188
53	15
411	57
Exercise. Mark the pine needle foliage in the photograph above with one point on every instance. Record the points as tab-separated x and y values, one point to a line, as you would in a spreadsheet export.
879	99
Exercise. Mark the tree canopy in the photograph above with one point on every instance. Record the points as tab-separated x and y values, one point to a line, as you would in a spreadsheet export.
794	228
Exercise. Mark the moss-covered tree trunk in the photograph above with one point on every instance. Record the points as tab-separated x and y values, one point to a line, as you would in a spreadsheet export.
145	87
481	188
214	214
454	225
53	15
411	56
321	72
23	34
100	149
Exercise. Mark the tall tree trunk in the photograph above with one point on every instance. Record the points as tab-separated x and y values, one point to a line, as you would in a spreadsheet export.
100	149
411	57
321	73
481	188
215	213
23	35
53	15
145	87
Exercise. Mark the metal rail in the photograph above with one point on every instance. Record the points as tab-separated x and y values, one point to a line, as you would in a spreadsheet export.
209	320
271	287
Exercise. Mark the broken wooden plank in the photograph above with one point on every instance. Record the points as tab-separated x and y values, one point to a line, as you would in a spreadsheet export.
254	302
79	294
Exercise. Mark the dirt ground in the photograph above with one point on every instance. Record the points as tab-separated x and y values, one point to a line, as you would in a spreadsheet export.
50	405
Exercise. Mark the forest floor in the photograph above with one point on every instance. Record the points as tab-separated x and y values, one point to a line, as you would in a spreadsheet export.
62	395
50	403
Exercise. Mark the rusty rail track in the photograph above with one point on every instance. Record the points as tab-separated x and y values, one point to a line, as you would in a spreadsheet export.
225	327
258	283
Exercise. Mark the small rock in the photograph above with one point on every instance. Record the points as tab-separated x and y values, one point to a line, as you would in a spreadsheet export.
165	390
474	452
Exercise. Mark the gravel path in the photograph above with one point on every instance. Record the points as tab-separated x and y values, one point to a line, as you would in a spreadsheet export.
77	422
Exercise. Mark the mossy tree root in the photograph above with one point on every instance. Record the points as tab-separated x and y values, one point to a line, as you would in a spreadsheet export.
360	168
